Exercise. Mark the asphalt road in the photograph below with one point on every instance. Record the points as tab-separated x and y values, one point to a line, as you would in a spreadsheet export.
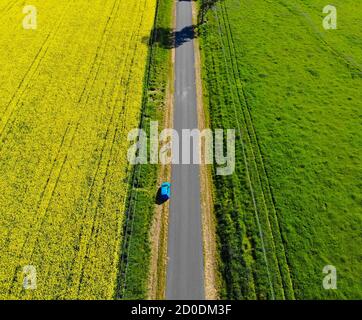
185	270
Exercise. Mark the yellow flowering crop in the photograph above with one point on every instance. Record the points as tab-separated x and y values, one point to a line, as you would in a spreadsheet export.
70	91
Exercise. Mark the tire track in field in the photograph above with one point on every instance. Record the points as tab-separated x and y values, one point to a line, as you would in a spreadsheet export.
246	115
264	183
8	6
261	173
97	169
350	62
5	11
71	132
49	176
254	161
215	86
121	114
246	164
37	60
13	104
101	192
103	189
131	182
50	186
96	173
126	234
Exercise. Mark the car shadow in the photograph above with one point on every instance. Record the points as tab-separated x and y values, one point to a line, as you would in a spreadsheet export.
158	200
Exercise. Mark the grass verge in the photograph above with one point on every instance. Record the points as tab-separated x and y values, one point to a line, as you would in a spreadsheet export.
136	254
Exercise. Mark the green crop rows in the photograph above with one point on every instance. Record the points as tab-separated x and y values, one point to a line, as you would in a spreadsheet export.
292	91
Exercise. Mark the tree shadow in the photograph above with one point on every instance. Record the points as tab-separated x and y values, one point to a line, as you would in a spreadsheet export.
168	39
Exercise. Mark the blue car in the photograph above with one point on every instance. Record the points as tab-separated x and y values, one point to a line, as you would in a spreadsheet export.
165	192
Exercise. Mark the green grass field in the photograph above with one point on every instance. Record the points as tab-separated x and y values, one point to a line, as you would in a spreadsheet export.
293	92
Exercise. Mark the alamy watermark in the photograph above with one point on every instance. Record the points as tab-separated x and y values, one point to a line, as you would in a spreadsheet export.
330	280
29	280
190	146
330	21
30	19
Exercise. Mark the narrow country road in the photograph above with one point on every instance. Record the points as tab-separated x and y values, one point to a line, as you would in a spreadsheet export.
185	271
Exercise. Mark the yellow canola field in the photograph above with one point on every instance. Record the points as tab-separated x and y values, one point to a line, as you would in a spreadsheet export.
70	91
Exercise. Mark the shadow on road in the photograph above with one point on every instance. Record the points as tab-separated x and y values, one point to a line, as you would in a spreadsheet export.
168	39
